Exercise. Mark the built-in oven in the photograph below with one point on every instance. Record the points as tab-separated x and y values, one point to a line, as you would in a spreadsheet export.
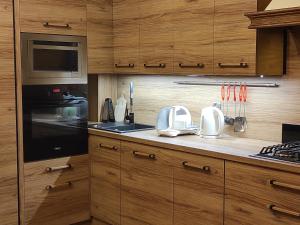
48	59
54	121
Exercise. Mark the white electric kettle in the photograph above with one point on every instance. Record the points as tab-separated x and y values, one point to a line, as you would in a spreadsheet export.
211	122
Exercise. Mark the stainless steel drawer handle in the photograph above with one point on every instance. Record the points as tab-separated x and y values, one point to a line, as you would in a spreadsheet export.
233	65
144	155
115	148
275	208
60	186
130	65
52	25
161	65
53	169
196	167
284	185
198	65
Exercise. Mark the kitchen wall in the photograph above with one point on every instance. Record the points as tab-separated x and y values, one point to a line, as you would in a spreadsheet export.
266	110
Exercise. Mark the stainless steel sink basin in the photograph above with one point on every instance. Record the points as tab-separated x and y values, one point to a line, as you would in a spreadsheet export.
121	127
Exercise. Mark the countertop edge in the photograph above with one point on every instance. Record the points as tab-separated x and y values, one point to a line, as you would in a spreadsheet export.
288	167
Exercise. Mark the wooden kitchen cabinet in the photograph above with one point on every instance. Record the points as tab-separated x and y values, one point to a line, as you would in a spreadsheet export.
156	37
66	17
234	43
105	179
126	35
256	195
198	189
99	36
146	186
193	36
8	136
56	191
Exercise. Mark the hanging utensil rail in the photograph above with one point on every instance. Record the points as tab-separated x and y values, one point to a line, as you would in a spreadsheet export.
249	84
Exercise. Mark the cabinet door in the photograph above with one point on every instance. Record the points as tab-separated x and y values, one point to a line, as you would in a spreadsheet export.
56	191
99	36
234	43
105	179
156	37
126	36
198	190
256	195
66	17
8	149
193	37
146	186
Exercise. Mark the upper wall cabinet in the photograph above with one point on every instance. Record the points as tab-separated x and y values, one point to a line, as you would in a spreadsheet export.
234	43
67	17
193	37
99	36
126	36
156	36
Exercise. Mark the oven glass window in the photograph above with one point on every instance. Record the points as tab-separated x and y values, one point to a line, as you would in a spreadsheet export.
55	60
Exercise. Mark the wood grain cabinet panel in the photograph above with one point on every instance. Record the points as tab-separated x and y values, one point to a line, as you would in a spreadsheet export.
257	195
198	189
8	146
99	36
56	191
193	36
126	26
105	179
234	43
67	17
156	36
146	186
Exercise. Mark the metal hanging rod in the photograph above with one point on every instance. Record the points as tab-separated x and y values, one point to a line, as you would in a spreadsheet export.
249	84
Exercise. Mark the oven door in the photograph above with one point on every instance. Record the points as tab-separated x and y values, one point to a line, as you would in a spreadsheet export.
56	125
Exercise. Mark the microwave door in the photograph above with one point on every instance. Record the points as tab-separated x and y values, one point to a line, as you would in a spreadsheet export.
54	61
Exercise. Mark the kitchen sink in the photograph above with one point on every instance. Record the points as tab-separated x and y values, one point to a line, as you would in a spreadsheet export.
119	127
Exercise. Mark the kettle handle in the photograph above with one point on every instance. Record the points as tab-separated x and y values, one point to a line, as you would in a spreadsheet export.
220	120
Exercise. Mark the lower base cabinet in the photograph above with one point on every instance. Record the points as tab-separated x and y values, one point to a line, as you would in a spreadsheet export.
136	184
105	180
56	191
198	190
256	195
146	186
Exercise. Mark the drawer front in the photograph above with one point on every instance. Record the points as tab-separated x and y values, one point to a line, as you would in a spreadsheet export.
49	172
146	186
102	147
105	179
198	189
62	205
256	195
67	17
56	191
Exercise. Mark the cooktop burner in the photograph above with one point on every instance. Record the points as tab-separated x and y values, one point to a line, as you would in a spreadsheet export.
287	152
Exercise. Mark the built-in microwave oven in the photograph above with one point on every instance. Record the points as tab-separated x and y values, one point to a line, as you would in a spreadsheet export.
53	59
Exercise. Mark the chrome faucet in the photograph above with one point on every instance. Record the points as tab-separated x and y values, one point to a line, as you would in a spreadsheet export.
130	116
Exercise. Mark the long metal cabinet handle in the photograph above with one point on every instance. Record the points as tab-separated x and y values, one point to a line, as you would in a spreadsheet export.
160	65
63	26
282	210
59	186
196	167
233	65
115	148
285	185
130	65
144	155
198	65
53	169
